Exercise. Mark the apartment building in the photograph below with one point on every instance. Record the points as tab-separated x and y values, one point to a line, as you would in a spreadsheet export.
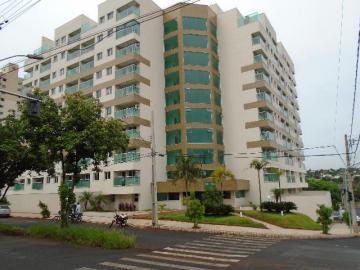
221	88
10	82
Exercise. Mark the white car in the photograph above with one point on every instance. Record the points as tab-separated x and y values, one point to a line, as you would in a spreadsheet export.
5	211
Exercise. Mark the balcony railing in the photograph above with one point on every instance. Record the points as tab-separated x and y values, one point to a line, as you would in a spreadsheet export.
83	183
127	157
127	181
259	58
131	69
267	136
291	179
133	48
289	161
19	186
44	68
257	40
38	186
266	116
72	55
28	76
269	155
127	12
133	133
87	49
71	89
262	77
72	72
86	66
127	91
131	27
87	84
271	177
44	84
128	112
74	38
262	96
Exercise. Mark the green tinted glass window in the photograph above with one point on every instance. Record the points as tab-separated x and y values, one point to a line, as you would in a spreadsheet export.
172	156
198	115
213	29
170	26
199	135
172	79
172	61
218	99
221	157
215	63
214	46
173	117
193	23
197	77
196	58
195	41
219	118
171	175
219	137
172	98
202	156
216	81
173	137
171	43
198	96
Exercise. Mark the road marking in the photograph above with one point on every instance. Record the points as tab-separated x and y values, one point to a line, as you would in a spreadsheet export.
85	268
205	247
230	245
124	266
205	252
238	243
167	265
183	260
264	240
242	240
213	259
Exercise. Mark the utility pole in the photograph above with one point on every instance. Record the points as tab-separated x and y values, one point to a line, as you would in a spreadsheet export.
350	192
155	222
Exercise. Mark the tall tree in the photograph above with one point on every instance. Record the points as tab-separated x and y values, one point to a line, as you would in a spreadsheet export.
259	165
187	171
220	175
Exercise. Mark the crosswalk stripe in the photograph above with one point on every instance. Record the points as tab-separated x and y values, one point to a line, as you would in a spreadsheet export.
242	240
183	260
264	240
205	252
167	265
239	243
212	243
213	249
213	259
228	249
85	268
124	266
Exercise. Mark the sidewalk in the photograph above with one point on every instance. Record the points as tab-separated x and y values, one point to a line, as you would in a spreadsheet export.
337	230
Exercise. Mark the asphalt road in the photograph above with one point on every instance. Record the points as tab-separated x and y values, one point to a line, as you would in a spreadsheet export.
24	253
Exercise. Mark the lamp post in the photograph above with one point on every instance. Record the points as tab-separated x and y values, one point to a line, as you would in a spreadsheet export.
30	56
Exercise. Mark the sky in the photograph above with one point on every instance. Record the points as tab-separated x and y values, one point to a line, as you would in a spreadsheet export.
309	30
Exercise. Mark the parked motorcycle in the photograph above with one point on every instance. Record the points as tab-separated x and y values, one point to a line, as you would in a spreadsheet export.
120	220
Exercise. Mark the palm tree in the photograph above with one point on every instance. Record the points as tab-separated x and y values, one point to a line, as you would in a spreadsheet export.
222	174
186	170
259	165
85	198
278	172
98	201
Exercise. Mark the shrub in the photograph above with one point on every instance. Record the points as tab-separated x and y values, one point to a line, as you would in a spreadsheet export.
4	201
10	229
253	206
346	218
195	210
278	206
45	213
324	218
212	198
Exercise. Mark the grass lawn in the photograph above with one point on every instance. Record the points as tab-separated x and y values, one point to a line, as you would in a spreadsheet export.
290	220
221	220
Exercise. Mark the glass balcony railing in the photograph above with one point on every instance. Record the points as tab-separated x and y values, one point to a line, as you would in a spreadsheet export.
127	157
127	12
128	112
87	84
38	186
259	58
269	155
127	181
133	48
267	136
87	48
74	38
19	186
131	69
44	68
72	72
26	90
263	96
262	77
289	161
86	66
266	116
133	133
28	76
130	27
257	40
72	55
71	89
44	84
271	177
127	91
83	183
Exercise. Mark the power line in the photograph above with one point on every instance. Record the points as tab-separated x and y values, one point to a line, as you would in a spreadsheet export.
1	4
10	7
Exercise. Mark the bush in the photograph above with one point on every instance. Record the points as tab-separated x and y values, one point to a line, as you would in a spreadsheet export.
324	218
212	198
195	210
45	213
346	218
278	206
9	229
253	206
4	201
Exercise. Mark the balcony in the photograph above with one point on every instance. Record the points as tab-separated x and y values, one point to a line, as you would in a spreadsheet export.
73	54
131	69
133	48
263	96
262	77
83	183
44	68
28	76
259	58
126	181
86	84
86	66
269	155
271	177
291	179
74	38
289	161
19	186
133	133
267	136
266	116
72	72
71	89
130	27
44	84
257	40
127	91
127	12
127	157
87	49
38	186
127	112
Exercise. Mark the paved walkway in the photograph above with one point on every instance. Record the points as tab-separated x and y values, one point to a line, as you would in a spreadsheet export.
337	230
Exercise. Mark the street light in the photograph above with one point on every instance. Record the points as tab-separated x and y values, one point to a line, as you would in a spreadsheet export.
30	56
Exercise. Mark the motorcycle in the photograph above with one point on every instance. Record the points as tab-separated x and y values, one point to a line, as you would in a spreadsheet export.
75	218
120	220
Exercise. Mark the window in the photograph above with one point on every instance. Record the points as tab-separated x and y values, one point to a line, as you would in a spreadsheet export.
218	99
215	63
194	23
198	115
57	42
226	194
108	110
110	15
98	93
102	19
55	59
109	52
62	72
173	137
96	176
36	67
109	71
216	81
99	74
214	46
99	56
172	61
53	91
36	82
171	43
213	29
201	156
107	175
172	156
221	157
198	96
199	135
63	39
240	194
100	37
197	77
173	117
170	26
196	58
48	179
60	89
28	181
218	116
172	79
220	137
62	55
54	75
110	32
56	180
172	98
109	90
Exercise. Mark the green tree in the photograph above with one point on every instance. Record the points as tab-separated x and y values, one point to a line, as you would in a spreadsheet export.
259	165
70	135
324	218
85	198
277	192
334	189
98	201
45	213
195	210
187	171
220	175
